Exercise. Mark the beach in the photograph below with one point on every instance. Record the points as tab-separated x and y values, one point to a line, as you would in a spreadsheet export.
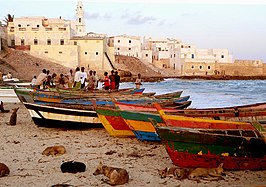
22	145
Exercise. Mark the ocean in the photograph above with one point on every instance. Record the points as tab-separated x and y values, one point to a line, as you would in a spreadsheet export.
211	93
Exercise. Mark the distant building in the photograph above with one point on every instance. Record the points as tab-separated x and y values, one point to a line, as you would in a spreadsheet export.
62	41
126	45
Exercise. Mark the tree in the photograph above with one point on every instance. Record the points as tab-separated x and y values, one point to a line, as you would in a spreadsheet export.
8	18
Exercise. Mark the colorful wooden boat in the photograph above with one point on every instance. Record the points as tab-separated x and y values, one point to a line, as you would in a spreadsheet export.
51	116
199	142
240	148
169	95
212	118
180	103
140	124
113	122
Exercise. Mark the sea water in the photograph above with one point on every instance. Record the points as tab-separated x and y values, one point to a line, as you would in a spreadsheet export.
211	93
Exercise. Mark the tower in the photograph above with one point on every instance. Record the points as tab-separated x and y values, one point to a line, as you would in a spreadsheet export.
80	25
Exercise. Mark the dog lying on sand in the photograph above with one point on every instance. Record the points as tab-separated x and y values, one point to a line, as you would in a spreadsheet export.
73	167
4	170
117	176
209	173
175	172
54	150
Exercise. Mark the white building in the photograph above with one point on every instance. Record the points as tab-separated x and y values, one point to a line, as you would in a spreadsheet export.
126	45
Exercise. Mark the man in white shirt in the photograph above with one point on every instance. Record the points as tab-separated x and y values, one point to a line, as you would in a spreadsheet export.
40	79
83	77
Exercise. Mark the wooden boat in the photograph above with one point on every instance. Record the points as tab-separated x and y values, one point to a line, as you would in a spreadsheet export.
52	116
169	95
240	147
113	122
199	142
55	97
184	118
180	103
140	124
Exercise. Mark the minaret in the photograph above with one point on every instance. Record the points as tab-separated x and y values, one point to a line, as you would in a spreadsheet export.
80	25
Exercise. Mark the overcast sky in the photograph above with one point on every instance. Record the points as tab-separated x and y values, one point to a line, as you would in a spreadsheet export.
239	25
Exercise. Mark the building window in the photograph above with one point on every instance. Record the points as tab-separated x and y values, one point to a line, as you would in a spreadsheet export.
118	48
222	56
209	67
35	42
80	20
129	41
192	67
19	25
97	53
182	46
46	52
174	55
146	55
38	25
192	55
129	49
22	42
62	42
200	67
118	41
48	41
75	43
86	53
189	46
60	52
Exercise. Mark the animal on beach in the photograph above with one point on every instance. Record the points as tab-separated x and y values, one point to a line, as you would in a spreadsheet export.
207	173
4	170
13	117
176	172
117	176
54	150
73	167
2	108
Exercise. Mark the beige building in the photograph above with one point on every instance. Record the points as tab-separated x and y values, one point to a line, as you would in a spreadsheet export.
126	45
62	41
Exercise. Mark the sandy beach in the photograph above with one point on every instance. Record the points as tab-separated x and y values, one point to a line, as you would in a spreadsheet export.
22	145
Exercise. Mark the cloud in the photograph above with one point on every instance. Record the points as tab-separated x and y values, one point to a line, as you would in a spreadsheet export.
139	20
92	15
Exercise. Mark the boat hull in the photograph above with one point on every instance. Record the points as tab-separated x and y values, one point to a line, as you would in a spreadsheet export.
48	116
141	125
113	122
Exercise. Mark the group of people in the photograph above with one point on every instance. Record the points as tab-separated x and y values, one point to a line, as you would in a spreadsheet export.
47	80
85	81
79	80
112	81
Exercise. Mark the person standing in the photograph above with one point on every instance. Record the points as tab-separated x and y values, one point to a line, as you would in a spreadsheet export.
33	80
138	81
70	77
106	83
112	79
40	79
96	80
83	77
117	80
77	80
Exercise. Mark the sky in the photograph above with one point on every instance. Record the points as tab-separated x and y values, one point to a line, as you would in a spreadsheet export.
238	25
